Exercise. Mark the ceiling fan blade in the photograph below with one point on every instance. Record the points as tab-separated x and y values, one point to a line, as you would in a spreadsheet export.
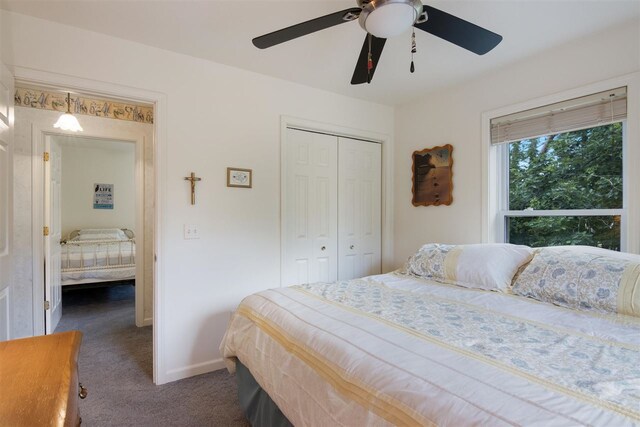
306	27
458	31
361	74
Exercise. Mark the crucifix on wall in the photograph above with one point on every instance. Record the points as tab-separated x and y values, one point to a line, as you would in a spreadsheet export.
192	180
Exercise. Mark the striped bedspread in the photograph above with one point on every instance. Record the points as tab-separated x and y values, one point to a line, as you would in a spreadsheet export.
396	350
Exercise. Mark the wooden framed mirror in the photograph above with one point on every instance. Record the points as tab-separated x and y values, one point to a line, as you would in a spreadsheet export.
432	180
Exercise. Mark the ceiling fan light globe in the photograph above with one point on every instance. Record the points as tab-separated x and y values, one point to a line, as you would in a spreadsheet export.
388	18
68	122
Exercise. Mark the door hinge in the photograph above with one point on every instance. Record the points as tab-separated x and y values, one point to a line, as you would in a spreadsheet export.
45	156
45	230
46	305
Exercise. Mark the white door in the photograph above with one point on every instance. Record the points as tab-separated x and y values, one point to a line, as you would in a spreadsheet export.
52	274
6	198
359	212
310	208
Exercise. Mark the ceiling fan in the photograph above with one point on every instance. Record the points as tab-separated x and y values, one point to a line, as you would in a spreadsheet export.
382	19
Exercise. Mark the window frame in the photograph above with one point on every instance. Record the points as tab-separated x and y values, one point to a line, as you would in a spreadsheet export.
504	213
496	168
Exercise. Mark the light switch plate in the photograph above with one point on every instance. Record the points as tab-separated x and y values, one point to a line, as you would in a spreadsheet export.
191	232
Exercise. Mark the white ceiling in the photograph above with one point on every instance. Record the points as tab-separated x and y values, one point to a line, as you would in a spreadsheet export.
221	31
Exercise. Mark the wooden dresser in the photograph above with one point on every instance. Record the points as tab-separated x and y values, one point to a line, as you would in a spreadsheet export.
39	380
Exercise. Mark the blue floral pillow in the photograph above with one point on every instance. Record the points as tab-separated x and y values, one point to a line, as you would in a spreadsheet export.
594	280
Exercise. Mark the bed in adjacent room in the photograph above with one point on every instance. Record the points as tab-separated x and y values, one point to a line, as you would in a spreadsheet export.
98	256
464	335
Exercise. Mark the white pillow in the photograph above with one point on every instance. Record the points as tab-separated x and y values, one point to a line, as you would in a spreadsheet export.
490	266
100	231
101	234
84	237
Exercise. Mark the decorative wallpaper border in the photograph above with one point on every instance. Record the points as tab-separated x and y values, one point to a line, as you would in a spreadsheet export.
57	101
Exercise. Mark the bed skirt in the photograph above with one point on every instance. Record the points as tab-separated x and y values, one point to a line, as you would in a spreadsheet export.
257	405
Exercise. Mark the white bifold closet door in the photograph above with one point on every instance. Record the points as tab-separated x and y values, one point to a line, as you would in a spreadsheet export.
331	208
310	208
359	208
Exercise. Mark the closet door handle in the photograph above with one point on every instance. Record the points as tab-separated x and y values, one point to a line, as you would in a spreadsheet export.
351	247
323	248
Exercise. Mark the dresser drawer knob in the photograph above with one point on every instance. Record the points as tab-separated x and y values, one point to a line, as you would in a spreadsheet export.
83	391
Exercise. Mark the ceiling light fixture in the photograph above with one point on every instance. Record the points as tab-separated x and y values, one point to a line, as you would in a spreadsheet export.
68	121
388	18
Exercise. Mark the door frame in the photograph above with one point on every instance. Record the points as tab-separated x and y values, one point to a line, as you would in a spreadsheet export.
160	144
387	248
6	200
38	143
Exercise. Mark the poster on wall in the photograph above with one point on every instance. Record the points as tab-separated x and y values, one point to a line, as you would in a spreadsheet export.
103	196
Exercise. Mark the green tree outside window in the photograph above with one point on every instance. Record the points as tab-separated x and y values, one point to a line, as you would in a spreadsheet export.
572	170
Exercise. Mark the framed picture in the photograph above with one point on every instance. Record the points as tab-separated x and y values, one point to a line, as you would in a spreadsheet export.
432	183
237	177
102	196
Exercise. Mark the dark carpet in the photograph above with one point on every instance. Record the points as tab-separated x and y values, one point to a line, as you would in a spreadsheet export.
116	367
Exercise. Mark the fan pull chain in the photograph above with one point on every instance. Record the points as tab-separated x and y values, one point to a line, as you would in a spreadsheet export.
413	50
369	61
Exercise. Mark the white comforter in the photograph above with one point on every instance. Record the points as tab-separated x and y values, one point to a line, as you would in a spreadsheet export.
396	350
97	261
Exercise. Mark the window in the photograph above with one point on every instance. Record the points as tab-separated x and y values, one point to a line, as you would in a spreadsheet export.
560	173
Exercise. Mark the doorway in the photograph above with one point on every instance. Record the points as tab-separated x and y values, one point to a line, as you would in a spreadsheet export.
90	204
99	133
155	148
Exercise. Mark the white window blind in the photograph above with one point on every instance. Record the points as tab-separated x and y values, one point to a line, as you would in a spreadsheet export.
579	113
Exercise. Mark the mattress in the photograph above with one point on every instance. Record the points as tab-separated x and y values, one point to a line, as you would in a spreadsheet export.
398	350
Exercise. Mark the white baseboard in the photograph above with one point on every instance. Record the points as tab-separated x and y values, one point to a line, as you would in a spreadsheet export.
192	370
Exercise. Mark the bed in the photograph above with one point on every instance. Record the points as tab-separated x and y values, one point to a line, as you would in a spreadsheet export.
98	256
462	335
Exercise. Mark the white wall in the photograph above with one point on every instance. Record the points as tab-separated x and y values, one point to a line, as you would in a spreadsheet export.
86	162
453	116
217	116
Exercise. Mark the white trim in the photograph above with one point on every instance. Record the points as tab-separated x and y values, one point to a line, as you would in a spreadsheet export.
564	212
38	137
159	100
86	86
386	141
5	299
140	234
491	206
195	369
37	222
629	153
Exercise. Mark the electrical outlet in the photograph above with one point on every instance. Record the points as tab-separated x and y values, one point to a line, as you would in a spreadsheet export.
191	231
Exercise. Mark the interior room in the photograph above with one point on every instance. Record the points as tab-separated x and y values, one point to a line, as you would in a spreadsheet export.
97	221
434	224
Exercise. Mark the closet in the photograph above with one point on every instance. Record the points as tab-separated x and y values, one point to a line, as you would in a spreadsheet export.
331	207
